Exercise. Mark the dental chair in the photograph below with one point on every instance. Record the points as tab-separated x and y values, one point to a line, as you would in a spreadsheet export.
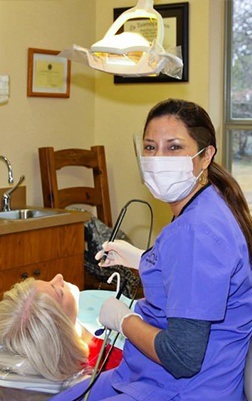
248	374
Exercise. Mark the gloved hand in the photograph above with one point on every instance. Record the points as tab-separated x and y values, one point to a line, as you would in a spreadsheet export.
113	312
120	253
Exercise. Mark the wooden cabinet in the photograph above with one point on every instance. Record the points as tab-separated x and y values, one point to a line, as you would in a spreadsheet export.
42	253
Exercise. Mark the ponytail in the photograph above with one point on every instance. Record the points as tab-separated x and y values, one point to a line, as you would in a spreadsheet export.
231	192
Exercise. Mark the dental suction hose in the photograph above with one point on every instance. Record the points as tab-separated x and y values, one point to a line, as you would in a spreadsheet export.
120	220
120	289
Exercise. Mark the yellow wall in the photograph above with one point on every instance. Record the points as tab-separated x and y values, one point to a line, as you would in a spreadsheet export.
98	112
28	122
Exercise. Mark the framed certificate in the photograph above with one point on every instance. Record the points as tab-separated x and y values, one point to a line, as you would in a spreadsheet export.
48	75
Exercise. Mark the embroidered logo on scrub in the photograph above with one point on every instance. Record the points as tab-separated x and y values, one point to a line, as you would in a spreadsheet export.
151	257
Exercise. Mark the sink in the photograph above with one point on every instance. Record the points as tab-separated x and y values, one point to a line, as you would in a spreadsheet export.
24	214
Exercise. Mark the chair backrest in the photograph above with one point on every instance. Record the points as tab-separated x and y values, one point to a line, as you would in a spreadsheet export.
248	374
98	195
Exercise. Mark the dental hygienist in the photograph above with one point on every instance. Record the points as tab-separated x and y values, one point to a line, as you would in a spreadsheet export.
187	339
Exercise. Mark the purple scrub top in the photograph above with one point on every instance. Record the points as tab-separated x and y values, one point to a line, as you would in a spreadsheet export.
198	269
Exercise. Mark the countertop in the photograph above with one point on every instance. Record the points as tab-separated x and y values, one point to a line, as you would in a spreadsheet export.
62	218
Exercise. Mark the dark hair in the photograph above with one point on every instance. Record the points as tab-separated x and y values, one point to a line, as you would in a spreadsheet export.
201	129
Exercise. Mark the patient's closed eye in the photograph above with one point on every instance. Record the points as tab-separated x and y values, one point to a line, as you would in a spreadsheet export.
58	291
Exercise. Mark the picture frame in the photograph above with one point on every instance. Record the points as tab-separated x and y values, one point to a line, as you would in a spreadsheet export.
48	75
176	20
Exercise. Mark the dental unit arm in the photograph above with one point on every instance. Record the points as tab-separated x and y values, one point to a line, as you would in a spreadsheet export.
130	54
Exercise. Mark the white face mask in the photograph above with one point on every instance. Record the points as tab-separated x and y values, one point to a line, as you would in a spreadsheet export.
169	178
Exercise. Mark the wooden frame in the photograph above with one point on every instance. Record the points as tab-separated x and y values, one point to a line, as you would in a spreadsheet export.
48	75
176	17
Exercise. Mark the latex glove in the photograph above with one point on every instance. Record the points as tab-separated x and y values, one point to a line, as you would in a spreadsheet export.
113	312
120	253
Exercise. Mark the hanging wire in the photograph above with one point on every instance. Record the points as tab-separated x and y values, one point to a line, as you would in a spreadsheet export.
98	369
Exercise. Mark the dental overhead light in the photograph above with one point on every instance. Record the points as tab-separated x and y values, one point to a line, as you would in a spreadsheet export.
130	53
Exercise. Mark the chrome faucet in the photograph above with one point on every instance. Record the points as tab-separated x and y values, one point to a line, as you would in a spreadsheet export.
10	172
6	197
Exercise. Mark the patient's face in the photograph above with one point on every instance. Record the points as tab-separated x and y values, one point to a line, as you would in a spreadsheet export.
59	290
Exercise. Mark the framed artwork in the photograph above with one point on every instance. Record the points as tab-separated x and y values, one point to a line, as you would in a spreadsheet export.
48	75
176	31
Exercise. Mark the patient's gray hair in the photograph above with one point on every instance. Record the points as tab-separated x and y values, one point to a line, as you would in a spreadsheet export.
33	325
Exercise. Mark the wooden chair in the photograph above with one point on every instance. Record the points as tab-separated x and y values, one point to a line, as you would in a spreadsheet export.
98	195
51	161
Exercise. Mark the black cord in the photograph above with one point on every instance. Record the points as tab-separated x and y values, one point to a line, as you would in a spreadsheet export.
151	219
119	222
112	238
